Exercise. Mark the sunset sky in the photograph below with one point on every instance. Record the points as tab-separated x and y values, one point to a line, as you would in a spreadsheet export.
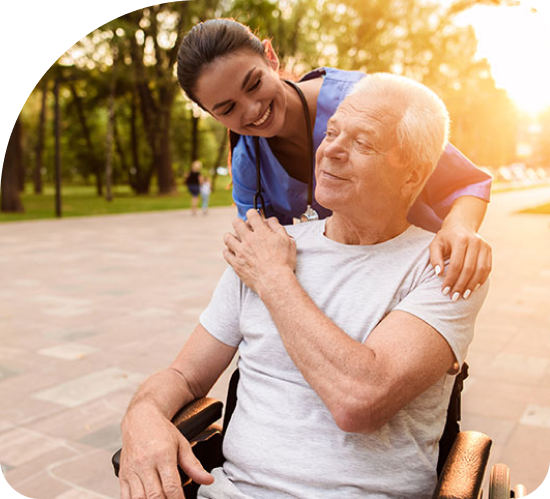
516	41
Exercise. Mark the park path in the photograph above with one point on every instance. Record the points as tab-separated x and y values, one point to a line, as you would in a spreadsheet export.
90	306
508	393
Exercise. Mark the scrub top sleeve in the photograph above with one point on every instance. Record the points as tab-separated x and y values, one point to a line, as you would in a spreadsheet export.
243	198
454	176
243	173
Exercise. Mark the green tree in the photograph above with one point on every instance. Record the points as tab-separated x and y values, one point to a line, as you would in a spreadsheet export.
419	39
130	63
11	199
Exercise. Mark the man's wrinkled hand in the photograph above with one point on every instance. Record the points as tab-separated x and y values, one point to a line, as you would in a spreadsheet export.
259	251
152	449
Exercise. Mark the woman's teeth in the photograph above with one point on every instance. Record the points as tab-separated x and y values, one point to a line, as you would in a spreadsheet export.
263	119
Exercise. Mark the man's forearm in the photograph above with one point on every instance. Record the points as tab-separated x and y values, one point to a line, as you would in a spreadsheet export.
363	385
336	366
164	392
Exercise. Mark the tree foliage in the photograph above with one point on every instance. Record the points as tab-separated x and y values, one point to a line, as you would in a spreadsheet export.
131	60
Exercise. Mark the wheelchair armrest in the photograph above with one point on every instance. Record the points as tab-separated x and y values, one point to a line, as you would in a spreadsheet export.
191	421
195	417
462	475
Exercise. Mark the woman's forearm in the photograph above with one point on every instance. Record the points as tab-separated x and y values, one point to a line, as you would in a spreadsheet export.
467	211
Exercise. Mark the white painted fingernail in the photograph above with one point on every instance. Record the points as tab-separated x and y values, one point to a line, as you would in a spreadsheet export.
456	296
478	285
437	270
446	290
466	294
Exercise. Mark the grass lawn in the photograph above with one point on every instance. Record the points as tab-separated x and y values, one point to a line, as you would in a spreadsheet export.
543	209
78	201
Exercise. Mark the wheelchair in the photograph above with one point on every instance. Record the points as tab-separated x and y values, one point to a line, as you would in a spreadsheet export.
463	455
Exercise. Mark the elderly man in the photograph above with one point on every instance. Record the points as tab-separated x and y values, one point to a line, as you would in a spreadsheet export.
347	348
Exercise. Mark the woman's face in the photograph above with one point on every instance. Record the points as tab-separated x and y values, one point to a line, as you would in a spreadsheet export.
244	92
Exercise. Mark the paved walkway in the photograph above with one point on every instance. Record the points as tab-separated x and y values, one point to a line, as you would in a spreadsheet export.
91	306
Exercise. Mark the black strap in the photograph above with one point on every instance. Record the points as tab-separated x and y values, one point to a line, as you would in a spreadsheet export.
452	423
258	197
309	130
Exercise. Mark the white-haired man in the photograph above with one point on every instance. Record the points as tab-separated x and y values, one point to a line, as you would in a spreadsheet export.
347	348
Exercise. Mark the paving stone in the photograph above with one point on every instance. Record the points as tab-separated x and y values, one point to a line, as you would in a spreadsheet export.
81	493
39	486
97	273
79	391
92	471
536	415
69	351
527	455
18	446
498	429
6	372
70	335
107	438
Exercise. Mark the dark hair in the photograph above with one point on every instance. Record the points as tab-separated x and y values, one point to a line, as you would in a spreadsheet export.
207	41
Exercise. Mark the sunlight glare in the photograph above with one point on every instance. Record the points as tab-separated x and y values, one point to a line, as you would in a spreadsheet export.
516	42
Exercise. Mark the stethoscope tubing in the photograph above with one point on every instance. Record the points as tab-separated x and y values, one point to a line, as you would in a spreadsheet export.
310	213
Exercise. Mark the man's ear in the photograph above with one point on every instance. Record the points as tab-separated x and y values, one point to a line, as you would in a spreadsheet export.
414	179
271	55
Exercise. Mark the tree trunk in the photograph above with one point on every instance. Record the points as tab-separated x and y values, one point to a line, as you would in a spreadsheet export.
156	90
221	153
142	177
120	152
157	130
11	199
109	139
39	152
194	137
87	137
165	172
21	173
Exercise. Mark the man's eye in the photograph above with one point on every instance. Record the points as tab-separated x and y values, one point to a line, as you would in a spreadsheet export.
330	134
228	110
363	144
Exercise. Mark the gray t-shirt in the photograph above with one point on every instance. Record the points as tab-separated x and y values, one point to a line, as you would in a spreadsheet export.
282	441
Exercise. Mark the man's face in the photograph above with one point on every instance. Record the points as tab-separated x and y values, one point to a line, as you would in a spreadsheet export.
358	166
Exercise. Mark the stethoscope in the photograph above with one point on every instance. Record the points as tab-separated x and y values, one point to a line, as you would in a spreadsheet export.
310	214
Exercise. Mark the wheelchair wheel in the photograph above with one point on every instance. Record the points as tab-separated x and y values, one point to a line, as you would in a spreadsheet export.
499	482
520	491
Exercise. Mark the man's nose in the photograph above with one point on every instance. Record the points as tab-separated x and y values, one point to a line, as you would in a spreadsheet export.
336	149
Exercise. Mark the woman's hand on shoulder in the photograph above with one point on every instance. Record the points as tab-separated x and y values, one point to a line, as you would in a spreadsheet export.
470	260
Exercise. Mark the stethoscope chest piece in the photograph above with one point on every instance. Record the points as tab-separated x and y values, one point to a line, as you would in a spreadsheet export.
310	215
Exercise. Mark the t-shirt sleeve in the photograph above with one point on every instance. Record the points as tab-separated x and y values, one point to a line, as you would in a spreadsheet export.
453	320
221	318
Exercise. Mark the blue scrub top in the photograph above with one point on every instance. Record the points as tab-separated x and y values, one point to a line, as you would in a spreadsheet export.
286	198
